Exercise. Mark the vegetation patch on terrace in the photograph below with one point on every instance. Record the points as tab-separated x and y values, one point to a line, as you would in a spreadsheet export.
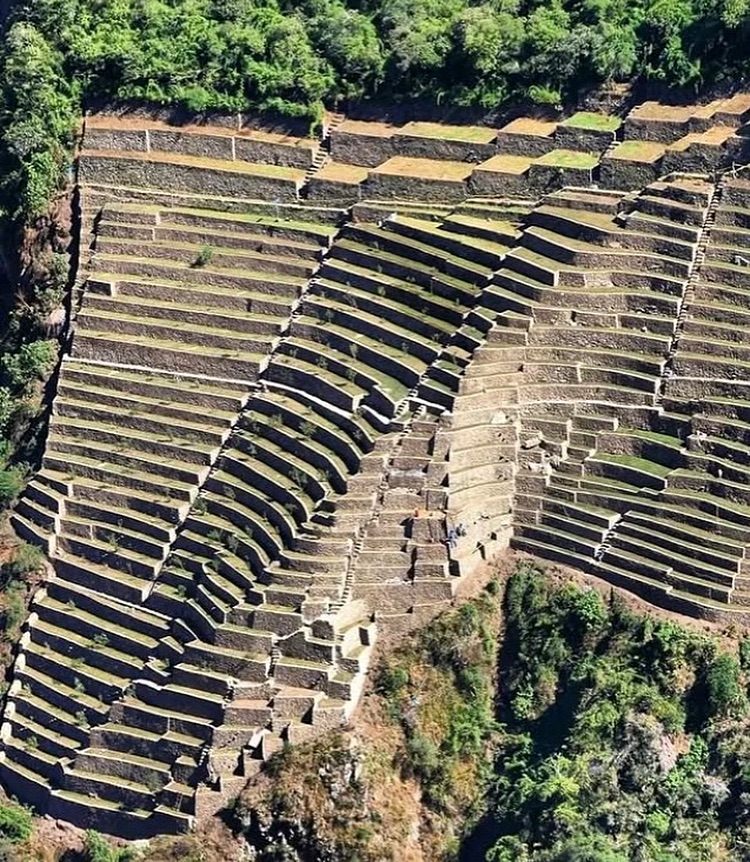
594	122
568	159
638	151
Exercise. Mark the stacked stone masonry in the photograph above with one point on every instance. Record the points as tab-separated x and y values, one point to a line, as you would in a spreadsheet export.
311	386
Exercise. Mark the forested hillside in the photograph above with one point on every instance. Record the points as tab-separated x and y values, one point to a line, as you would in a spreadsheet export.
296	56
548	724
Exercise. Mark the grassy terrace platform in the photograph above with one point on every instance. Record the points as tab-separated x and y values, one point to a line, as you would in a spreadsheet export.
568	159
593	122
638	151
428	169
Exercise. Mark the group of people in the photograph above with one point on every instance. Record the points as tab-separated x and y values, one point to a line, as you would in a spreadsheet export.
454	533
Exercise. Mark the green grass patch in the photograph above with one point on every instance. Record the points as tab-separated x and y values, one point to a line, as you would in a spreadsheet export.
568	159
639	151
631	461
594	122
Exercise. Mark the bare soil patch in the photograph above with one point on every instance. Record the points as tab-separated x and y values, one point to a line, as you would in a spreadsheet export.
426	169
530	126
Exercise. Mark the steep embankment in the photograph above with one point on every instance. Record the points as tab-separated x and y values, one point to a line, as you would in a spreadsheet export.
544	720
615	735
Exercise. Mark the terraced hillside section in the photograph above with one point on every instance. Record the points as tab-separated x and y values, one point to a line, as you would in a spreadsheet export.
281	423
272	577
686	542
181	308
649	492
241	467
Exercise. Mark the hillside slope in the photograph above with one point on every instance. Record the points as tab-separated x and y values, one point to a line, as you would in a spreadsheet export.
594	732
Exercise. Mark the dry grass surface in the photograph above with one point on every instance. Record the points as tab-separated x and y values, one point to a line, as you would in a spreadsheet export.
503	164
364	127
339	172
135	123
666	113
530	126
425	169
125	123
715	136
469	134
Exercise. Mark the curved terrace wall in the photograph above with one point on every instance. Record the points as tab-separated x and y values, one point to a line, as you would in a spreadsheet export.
287	423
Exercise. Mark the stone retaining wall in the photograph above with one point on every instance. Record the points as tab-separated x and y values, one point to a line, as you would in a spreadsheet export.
122	171
401	187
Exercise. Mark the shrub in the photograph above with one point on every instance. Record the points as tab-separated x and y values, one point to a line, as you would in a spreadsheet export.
15	610
30	362
724	690
205	256
11	485
745	654
96	848
26	559
392	680
15	823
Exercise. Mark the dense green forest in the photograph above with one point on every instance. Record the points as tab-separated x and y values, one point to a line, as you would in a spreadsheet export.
622	737
294	56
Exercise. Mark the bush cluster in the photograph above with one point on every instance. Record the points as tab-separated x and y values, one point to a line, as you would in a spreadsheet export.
292	57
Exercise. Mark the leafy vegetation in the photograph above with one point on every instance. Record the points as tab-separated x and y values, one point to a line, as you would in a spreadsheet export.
24	368
96	848
15	823
583	732
292	57
439	689
622	736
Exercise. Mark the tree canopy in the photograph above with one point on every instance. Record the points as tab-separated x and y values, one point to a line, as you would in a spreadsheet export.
294	56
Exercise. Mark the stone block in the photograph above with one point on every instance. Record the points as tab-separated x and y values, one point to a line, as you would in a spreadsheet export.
405	178
211	146
526	137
